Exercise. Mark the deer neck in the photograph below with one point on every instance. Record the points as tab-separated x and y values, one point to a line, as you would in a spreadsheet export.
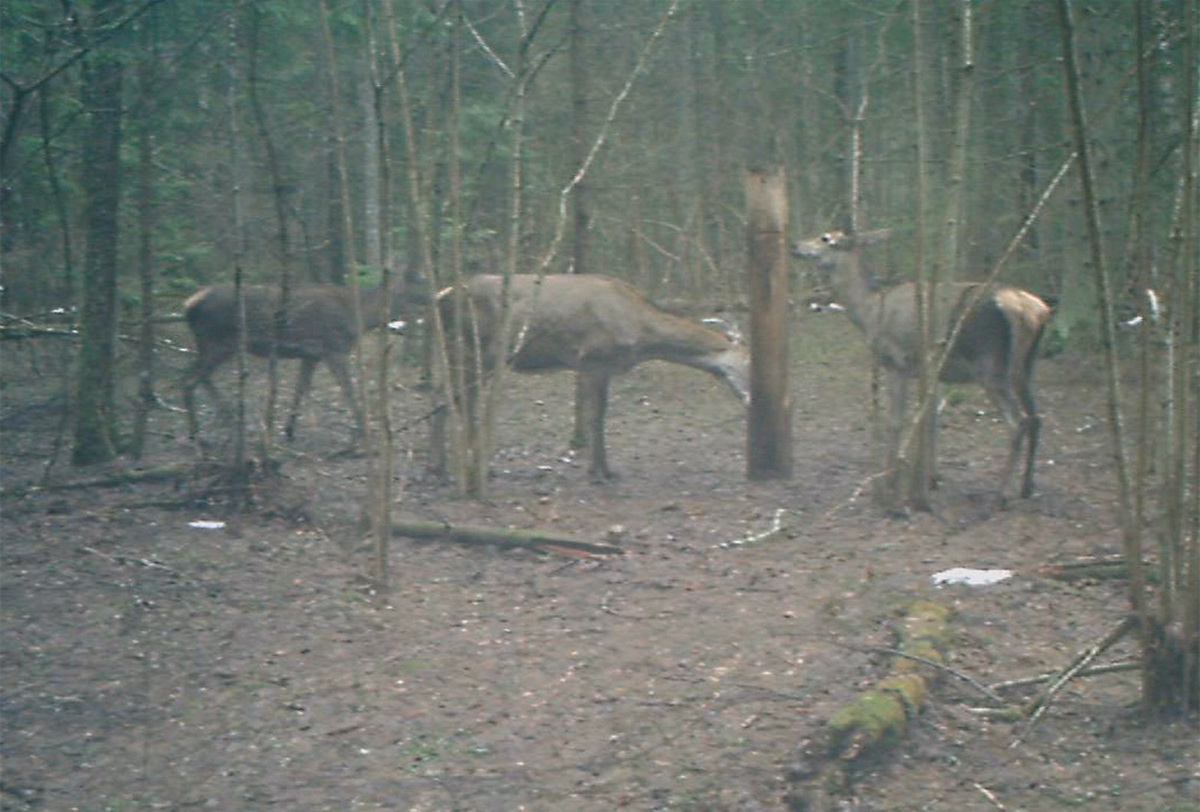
681	341
858	291
375	304
695	345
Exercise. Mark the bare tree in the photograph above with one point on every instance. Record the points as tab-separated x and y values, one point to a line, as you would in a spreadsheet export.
146	211
95	417
1169	636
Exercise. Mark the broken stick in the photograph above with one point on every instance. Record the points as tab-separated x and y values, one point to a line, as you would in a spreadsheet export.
503	537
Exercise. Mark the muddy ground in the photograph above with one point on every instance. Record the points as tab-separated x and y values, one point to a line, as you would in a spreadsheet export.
149	664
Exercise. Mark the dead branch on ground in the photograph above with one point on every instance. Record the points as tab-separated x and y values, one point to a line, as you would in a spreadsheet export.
1095	670
1099	568
505	537
1037	708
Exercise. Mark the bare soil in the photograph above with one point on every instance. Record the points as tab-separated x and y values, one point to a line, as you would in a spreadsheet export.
150	664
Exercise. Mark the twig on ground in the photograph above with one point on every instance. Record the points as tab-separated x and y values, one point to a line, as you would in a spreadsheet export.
126	560
1098	568
855	494
777	528
1038	707
606	607
954	672
987	793
1025	682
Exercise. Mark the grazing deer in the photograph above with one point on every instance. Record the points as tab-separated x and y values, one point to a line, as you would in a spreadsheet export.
595	325
996	346
320	325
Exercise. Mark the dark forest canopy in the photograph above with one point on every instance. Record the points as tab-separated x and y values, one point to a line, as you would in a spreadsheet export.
245	119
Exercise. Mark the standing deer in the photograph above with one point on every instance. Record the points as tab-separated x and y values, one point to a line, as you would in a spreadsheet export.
595	325
320	325
996	346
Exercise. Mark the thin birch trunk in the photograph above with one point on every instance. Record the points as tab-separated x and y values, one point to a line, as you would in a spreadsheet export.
281	234
376	211
913	483
1130	532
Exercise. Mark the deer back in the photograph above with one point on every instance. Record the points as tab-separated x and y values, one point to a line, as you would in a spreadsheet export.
318	320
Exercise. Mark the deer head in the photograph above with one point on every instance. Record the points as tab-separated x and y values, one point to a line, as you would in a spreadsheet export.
823	248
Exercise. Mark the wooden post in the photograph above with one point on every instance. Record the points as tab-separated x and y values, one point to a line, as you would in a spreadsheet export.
769	430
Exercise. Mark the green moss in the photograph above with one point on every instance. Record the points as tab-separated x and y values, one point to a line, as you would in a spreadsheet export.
926	632
881	715
874	718
911	689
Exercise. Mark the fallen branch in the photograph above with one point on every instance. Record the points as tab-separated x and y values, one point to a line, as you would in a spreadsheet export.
127	560
856	493
1095	670
777	529
505	537
16	333
940	666
129	477
1103	568
1035	709
989	795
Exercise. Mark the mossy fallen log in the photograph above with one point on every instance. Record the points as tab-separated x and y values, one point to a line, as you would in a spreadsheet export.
881	716
926	633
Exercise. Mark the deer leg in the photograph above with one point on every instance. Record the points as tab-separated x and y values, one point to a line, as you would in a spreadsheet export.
436	463
200	374
307	367
188	388
1021	415
340	367
591	404
579	437
1033	430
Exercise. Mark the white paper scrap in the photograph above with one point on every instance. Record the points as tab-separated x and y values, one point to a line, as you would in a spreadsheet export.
970	577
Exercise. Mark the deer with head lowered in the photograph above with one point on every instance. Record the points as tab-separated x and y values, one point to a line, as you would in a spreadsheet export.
320	324
597	326
996	345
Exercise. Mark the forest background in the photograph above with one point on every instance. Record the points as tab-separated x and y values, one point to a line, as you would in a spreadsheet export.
149	148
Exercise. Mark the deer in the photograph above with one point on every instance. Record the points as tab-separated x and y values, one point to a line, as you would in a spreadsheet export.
321	325
996	346
597	326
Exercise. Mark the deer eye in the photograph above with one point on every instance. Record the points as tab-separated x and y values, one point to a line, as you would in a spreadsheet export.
827	239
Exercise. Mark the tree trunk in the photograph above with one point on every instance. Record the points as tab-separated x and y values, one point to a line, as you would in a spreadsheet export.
146	215
915	489
95	418
579	112
769	434
1130	533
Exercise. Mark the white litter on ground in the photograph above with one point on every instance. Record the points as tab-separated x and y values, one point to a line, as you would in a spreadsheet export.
204	524
970	577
